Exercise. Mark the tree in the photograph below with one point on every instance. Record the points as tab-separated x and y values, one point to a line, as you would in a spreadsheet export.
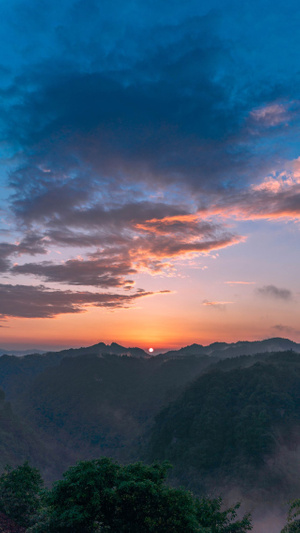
293	522
82	500
144	504
20	493
211	516
102	496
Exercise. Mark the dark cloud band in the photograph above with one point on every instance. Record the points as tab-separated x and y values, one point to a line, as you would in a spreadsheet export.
271	291
40	302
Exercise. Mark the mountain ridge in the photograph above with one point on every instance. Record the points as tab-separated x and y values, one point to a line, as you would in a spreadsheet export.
235	349
220	349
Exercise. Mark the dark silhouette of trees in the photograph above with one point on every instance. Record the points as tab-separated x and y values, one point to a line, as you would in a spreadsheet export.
104	496
20	493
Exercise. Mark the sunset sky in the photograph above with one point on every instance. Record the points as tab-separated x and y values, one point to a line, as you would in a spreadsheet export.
150	172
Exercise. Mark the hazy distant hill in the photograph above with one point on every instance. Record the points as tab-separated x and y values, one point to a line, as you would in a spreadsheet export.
18	442
102	348
103	400
223	349
94	405
236	426
16	372
19	353
219	349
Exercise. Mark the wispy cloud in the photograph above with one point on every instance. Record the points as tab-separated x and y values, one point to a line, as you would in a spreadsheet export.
275	197
127	242
216	304
260	205
41	302
103	271
272	114
31	244
240	282
134	147
288	330
271	291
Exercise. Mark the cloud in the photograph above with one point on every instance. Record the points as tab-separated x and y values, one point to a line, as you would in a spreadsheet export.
127	243
216	304
276	196
31	244
145	129
271	291
132	144
157	99
162	115
240	282
286	329
259	205
41	302
272	114
172	237
103	271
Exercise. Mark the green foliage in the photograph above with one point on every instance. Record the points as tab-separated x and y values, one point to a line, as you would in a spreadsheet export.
293	523
17	440
20	493
225	423
219	430
102	405
216	520
102	495
82	498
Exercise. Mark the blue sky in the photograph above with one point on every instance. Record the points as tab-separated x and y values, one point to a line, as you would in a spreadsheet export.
149	149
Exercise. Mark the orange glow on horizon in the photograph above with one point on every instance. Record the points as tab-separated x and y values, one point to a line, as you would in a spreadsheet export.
170	333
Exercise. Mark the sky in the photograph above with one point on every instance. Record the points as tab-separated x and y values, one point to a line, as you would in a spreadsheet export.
150	172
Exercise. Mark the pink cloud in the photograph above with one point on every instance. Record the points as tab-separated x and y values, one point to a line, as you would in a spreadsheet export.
276	197
215	303
240	282
271	114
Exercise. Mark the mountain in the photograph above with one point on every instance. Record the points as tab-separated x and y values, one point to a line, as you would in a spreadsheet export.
16	373
18	441
218	349
223	349
102	405
103	399
276	344
102	348
18	353
236	428
228	419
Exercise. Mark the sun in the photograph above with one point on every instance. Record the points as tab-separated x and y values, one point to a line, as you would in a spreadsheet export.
151	350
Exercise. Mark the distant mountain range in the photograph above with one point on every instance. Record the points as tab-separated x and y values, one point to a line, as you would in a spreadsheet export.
101	347
227	415
18	353
223	350
218	349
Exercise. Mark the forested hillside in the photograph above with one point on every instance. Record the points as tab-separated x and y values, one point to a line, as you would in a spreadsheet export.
228	425
18	441
104	404
238	425
103	496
